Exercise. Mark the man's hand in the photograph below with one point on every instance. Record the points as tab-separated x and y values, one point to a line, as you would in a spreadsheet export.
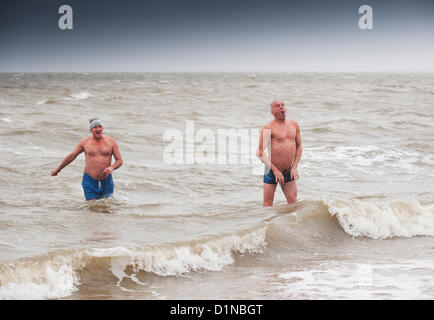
54	172
279	176
294	173
107	171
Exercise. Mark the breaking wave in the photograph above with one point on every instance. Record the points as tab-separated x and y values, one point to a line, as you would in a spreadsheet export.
296	226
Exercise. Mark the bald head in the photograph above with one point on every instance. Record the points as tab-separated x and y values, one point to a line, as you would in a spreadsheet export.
276	103
278	110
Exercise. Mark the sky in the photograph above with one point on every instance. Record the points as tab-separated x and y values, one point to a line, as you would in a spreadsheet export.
217	36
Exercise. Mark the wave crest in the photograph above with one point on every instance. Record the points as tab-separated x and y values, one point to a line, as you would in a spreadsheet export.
56	274
383	219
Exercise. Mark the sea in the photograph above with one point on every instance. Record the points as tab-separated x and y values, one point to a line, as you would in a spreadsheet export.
186	220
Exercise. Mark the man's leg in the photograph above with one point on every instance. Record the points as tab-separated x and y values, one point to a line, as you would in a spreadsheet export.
107	187
269	190
290	191
90	187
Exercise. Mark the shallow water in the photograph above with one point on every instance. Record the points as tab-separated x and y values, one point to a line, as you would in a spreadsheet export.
186	220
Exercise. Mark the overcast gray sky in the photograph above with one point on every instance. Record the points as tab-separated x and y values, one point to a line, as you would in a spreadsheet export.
223	35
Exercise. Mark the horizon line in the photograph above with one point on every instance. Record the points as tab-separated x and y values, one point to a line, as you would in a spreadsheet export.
233	71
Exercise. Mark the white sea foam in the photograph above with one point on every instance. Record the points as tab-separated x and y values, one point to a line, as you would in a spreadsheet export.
57	277
59	283
383	219
360	158
82	95
79	96
359	281
51	278
176	260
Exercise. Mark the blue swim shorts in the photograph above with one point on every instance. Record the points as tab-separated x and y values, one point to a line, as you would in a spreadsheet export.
97	189
270	178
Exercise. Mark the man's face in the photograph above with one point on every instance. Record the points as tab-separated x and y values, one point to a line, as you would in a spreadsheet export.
278	110
97	131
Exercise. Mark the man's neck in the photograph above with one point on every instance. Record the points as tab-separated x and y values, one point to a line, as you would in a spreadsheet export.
98	139
280	120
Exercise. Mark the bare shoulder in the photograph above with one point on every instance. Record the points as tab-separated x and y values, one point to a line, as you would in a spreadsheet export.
269	125
85	140
110	140
292	123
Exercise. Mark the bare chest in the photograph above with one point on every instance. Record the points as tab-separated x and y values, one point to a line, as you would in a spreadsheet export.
283	133
100	149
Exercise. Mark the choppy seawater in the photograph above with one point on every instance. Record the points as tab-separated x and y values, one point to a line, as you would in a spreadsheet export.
193	227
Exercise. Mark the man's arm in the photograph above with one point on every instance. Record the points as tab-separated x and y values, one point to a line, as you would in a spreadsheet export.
118	159
298	152
265	140
69	158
